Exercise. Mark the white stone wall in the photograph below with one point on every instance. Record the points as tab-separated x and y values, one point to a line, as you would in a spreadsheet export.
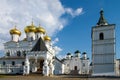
103	51
81	64
75	62
15	37
8	68
30	36
21	46
58	67
117	67
85	68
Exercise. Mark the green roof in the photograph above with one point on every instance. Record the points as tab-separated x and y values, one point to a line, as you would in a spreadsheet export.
102	20
77	51
68	53
84	53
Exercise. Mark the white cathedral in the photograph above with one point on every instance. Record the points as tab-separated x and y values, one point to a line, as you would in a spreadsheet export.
36	54
32	54
77	63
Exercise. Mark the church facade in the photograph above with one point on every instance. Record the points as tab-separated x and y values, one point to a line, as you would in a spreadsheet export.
33	54
77	63
36	54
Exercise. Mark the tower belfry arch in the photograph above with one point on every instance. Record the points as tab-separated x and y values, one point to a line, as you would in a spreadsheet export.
103	47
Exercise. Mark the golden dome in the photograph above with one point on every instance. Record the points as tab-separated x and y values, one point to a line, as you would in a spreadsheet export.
47	38
15	31
40	29
30	28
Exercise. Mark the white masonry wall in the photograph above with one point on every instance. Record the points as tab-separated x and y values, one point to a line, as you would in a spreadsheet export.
103	51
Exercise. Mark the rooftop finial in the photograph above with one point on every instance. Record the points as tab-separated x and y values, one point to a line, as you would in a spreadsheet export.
15	25
101	9
101	12
32	22
39	24
102	20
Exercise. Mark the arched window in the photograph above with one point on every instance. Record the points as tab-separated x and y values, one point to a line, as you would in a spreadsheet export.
13	63
8	53
18	53
23	63
101	36
24	53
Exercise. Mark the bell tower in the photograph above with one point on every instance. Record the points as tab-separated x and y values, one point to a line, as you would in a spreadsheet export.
103	47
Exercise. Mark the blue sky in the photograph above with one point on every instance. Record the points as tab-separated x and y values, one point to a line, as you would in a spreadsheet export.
68	22
77	34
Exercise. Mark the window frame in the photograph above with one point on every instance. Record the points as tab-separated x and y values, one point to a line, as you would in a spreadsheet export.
101	36
13	63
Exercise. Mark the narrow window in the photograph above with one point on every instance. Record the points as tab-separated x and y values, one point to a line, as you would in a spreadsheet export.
101	36
12	37
37	36
18	53
24	53
31	38
13	63
4	63
8	53
23	63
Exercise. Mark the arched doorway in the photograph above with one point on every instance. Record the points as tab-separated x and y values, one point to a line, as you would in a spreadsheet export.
36	64
75	68
40	66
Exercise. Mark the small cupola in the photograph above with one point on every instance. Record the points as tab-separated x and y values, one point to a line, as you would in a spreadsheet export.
15	31
77	53
15	34
102	21
40	29
30	28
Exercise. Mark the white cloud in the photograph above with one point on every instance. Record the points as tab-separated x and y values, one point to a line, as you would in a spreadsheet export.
45	12
72	12
55	41
57	49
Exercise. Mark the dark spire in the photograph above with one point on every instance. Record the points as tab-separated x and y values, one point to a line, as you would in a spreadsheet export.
102	20
40	46
77	51
68	53
84	53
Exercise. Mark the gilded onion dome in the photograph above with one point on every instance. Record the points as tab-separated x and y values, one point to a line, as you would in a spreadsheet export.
40	29
47	38
15	31
30	28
